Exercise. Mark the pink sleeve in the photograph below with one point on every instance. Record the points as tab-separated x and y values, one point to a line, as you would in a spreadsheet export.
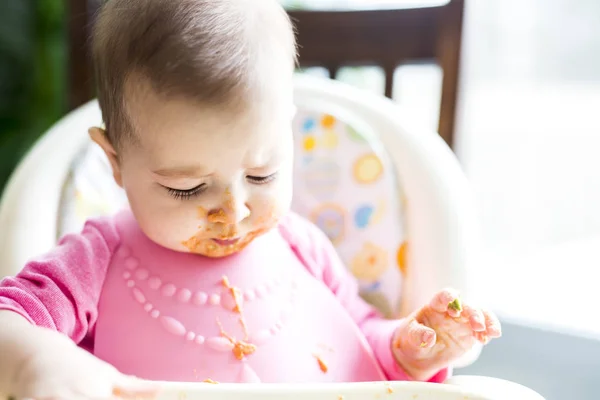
60	290
319	255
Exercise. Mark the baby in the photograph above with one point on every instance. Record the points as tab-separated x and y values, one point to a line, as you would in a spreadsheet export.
208	276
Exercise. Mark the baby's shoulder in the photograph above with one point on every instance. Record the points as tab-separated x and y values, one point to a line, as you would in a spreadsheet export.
99	229
305	237
298	229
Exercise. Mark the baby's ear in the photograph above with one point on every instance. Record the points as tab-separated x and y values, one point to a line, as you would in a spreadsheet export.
99	136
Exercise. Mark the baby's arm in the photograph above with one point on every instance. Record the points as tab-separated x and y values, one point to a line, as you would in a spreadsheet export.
18	341
60	290
52	302
21	344
319	255
40	363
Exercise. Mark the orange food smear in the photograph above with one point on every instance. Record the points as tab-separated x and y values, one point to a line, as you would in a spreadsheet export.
229	202
322	366
244	328
198	245
389	389
210	381
192	243
241	348
397	343
216	216
236	293
229	233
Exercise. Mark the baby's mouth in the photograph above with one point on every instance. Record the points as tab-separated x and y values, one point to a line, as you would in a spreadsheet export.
226	242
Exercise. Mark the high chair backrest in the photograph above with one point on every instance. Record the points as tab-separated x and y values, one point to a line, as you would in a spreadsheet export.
392	198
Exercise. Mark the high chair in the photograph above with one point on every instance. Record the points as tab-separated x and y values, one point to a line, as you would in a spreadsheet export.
390	196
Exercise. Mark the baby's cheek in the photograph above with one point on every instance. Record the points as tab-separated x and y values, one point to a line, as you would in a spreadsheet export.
277	203
268	217
166	228
197	225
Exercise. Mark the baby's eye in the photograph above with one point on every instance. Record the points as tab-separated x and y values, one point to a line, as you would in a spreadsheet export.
187	193
261	180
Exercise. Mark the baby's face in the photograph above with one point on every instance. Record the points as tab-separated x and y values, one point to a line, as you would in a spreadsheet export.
208	181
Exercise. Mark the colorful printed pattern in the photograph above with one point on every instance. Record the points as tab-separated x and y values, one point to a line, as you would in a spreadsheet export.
344	183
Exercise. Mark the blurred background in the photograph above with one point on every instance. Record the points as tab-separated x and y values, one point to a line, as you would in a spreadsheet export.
32	74
527	132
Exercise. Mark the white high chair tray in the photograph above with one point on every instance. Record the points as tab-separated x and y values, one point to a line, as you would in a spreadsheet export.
360	391
457	388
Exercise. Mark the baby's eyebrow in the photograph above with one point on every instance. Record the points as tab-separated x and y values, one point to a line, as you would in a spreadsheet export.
183	171
264	165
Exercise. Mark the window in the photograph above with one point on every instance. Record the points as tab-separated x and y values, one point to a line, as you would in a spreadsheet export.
528	137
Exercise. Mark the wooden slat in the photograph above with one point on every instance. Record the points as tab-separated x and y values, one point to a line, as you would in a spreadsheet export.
449	53
366	37
79	66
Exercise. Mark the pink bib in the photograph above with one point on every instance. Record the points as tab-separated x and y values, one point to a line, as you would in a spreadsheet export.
257	316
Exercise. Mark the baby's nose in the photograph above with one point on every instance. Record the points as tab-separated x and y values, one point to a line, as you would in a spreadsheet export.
222	216
217	216
233	212
240	213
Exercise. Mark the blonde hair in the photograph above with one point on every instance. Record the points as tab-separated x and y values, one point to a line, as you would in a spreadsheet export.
210	51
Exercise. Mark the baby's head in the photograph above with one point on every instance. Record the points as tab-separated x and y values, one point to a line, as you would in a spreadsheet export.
196	96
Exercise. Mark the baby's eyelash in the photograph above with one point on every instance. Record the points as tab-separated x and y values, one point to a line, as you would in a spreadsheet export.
261	180
188	193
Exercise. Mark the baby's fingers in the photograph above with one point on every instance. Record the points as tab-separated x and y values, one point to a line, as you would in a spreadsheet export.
475	317
482	337
493	328
447	301
419	336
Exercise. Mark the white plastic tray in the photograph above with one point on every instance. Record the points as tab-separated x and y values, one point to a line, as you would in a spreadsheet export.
457	388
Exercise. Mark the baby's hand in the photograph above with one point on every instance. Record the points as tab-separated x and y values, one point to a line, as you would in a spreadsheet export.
441	332
64	371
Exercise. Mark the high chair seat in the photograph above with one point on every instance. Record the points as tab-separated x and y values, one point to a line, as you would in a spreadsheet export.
346	183
391	197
